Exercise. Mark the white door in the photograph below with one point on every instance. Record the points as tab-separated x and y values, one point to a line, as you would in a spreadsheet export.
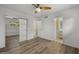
22	29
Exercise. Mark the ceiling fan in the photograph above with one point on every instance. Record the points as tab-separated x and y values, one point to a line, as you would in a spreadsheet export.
39	8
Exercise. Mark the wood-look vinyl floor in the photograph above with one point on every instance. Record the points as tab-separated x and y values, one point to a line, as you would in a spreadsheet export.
37	46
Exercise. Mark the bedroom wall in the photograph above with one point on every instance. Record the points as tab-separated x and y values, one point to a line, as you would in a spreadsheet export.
31	28
71	27
48	29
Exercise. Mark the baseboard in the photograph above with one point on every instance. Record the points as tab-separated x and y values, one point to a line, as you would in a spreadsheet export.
3	49
70	46
11	36
25	41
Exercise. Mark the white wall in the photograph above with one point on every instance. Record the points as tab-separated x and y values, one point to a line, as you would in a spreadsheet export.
71	27
31	27
48	29
2	32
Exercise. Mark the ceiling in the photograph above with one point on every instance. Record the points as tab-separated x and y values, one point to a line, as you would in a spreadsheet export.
29	8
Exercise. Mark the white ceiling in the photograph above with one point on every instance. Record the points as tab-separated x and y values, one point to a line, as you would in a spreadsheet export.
29	8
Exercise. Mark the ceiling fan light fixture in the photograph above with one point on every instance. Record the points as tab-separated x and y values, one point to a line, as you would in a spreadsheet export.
38	9
35	12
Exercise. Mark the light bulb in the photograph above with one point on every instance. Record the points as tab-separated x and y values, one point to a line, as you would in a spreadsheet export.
38	9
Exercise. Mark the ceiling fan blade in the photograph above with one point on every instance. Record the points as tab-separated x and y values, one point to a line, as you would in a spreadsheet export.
45	8
36	5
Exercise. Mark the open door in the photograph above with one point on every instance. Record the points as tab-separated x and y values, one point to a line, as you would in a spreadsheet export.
59	29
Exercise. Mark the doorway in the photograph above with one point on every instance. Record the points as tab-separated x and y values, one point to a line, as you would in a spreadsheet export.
16	31
59	29
12	32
